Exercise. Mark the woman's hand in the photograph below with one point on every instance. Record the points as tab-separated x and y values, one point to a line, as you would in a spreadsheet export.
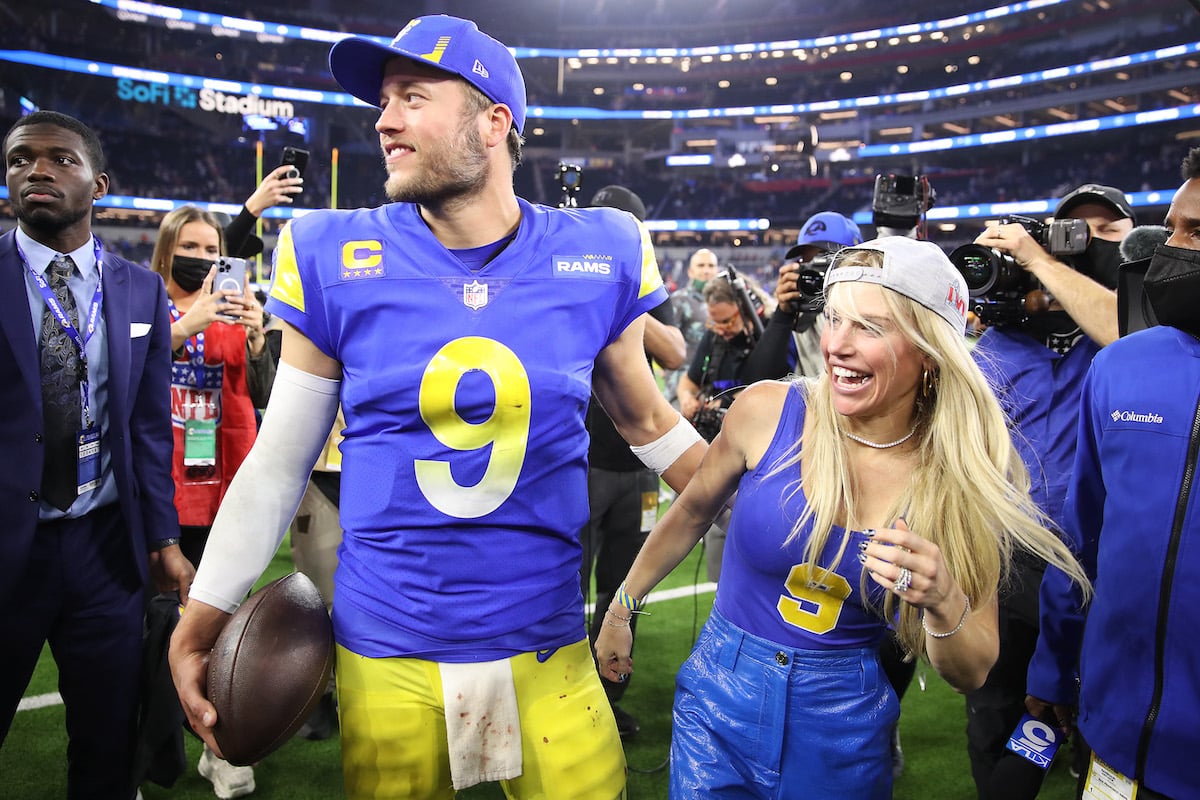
614	644
206	308
911	566
246	310
276	189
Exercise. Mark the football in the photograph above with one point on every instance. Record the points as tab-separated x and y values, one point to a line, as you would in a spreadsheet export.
269	667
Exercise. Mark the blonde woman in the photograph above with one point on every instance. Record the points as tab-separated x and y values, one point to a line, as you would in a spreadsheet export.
887	489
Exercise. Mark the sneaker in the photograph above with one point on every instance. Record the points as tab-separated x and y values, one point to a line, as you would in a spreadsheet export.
228	781
323	722
627	724
897	754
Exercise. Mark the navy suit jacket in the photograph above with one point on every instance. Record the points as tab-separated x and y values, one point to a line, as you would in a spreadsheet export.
138	429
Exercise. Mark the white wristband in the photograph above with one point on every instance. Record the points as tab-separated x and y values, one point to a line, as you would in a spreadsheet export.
664	451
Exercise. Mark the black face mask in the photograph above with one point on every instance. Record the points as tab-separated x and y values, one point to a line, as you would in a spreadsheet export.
189	273
1172	287
1100	262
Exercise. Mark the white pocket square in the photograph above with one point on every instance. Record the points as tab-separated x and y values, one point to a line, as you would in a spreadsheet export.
139	329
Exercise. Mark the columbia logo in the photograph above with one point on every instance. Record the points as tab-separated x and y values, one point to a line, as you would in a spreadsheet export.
1133	416
480	70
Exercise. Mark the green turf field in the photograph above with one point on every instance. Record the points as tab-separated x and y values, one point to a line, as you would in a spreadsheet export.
33	759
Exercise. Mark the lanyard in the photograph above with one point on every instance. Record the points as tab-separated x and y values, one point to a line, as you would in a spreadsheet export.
195	352
60	314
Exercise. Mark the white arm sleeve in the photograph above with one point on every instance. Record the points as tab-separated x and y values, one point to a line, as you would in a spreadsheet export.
265	493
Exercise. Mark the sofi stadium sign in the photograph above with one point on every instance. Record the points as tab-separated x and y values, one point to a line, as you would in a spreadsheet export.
203	99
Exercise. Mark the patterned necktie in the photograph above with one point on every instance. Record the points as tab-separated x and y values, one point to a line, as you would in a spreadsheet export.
60	392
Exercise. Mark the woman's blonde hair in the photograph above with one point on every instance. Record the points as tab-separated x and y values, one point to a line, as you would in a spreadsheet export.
168	236
969	492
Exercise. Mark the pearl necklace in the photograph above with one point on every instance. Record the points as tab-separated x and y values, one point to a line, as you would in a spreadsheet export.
879	446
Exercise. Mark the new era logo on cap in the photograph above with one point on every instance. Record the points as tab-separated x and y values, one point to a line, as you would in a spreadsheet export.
451	44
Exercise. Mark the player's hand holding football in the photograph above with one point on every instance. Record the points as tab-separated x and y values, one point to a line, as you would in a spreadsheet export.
194	637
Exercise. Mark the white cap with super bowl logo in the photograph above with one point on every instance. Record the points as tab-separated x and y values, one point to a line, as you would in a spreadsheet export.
915	268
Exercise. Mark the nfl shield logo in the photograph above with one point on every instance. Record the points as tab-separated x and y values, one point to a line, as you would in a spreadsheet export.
475	295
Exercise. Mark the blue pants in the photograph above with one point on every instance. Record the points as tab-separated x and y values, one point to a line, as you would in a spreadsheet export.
82	593
756	720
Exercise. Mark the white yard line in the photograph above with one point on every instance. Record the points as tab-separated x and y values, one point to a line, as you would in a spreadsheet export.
54	698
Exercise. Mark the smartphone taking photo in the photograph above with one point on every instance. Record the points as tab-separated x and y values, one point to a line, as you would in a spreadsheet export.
297	159
230	277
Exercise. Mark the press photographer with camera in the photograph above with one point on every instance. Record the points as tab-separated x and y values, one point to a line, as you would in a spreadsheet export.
1075	267
719	368
1132	515
798	292
1046	317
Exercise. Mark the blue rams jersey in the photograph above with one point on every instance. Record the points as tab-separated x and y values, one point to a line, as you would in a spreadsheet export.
464	463
766	588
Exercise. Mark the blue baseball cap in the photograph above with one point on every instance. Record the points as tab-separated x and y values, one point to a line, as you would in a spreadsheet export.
443	42
827	230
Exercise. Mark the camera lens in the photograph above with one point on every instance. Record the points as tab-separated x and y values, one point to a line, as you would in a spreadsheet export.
978	265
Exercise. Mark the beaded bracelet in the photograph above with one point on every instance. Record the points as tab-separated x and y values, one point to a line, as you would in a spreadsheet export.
624	620
957	627
630	602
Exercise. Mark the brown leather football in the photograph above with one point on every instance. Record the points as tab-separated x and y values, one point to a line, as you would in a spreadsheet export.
269	668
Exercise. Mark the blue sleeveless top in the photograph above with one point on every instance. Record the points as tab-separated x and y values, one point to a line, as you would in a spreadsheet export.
765	587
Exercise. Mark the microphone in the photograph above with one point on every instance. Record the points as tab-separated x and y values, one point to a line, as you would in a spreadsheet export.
1137	248
1141	242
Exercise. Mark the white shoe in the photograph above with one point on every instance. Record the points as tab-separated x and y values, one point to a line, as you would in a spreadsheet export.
228	781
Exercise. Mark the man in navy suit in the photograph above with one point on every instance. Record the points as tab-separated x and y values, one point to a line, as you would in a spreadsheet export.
82	526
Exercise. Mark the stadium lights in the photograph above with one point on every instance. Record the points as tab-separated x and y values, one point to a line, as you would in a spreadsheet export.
826	108
233	27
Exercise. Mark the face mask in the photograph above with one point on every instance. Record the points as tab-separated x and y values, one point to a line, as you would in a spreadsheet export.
1172	287
1100	262
698	284
189	273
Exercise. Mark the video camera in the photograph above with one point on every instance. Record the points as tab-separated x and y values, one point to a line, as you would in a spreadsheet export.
1004	293
570	181
900	201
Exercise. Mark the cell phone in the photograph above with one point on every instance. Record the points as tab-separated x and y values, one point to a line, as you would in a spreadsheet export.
295	157
231	276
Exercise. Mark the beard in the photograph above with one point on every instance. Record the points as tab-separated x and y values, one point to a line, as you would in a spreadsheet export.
46	220
449	170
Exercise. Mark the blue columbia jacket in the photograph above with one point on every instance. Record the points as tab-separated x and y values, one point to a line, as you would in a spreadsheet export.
1133	516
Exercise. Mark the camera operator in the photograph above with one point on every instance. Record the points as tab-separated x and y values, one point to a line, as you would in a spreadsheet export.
798	295
1128	672
1083	292
718	368
1036	362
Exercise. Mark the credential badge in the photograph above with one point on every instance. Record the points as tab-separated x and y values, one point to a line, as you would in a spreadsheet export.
475	295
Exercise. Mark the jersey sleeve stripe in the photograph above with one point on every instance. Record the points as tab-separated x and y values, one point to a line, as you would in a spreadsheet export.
286	286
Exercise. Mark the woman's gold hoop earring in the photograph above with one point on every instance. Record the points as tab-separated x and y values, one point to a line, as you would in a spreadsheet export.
926	383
